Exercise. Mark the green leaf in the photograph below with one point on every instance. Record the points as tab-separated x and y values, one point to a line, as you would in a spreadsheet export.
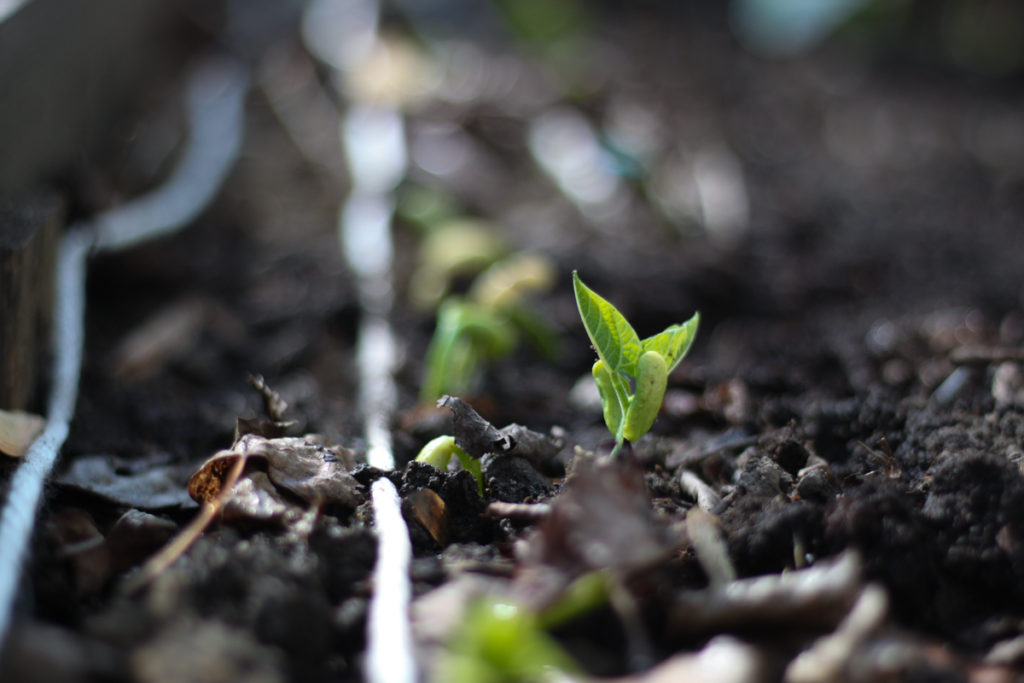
673	342
453	356
614	339
492	334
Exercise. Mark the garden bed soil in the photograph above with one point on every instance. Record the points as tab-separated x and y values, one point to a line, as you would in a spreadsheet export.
853	387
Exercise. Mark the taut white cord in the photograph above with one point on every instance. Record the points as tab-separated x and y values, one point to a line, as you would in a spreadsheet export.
389	659
340	32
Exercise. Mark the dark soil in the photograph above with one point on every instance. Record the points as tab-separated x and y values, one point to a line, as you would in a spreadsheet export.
821	400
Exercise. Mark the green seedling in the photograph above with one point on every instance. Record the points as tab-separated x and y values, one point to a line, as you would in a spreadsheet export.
453	249
439	453
487	323
583	595
631	373
501	642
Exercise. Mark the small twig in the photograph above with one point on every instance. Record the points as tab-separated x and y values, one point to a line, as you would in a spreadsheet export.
707	498
174	549
639	650
885	458
975	354
524	512
951	386
709	544
815	597
825	660
730	445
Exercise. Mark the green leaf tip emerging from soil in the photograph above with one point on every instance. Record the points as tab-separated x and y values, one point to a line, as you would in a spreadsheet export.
614	339
439	452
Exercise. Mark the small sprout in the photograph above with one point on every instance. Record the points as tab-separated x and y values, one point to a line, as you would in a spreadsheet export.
501	641
583	595
631	373
507	282
457	248
466	335
440	451
425	208
487	324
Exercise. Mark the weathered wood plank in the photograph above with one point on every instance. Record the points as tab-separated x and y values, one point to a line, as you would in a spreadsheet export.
28	236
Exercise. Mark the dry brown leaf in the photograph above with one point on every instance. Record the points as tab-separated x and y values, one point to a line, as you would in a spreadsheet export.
206	484
478	437
301	466
228	482
18	430
313	472
273	405
146	484
254	497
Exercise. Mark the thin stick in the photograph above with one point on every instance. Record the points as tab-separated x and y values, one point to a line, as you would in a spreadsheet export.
177	546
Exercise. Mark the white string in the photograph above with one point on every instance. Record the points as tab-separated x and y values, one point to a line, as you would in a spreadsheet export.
216	116
389	657
376	353
364	227
373	140
27	483
216	101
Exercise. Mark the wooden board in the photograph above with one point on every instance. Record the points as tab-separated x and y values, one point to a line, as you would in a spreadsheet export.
28	237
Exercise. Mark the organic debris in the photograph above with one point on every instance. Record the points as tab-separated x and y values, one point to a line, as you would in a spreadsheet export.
816	598
18	430
142	484
258	479
303	467
478	437
272	424
430	510
601	519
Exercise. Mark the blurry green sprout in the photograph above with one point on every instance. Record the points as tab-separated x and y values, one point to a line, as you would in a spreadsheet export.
453	248
487	323
631	374
585	594
500	642
440	451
